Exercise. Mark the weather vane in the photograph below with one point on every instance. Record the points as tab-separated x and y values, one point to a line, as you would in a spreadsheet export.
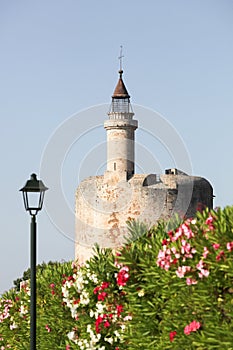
120	57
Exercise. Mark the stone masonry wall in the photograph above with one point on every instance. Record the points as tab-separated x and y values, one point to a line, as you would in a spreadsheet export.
104	204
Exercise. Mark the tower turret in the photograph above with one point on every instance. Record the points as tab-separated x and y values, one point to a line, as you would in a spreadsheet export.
120	133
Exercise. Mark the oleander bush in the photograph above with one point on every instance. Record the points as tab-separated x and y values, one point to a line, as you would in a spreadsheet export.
53	320
180	290
169	287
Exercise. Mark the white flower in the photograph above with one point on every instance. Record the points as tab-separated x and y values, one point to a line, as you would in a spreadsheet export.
73	309
141	293
122	327
93	278
65	292
92	314
13	326
127	318
109	340
23	310
79	281
71	335
84	298
89	330
115	317
100	308
67	284
117	334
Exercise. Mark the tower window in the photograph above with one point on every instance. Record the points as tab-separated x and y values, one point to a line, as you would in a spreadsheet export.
114	166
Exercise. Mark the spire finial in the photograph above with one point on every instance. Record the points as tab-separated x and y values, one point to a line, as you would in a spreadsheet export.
120	58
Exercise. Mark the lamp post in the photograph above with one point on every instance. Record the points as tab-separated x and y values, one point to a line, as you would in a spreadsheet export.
33	197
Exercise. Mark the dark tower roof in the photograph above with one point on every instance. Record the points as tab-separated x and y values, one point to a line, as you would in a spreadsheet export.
120	90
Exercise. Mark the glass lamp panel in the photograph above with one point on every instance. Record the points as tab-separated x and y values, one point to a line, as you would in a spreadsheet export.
34	200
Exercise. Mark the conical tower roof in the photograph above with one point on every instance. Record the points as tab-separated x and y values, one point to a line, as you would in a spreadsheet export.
120	90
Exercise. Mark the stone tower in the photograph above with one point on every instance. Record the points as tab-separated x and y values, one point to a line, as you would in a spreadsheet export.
120	134
104	203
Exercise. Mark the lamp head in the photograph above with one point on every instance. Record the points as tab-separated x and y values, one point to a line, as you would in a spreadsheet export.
33	194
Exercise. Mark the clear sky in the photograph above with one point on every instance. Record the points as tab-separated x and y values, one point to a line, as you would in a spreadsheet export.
59	57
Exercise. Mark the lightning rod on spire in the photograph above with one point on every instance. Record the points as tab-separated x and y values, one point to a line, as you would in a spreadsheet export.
120	57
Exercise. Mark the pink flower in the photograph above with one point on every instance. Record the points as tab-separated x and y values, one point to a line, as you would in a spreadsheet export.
119	309
96	289
192	327
205	253
123	276
200	265
105	285
209	221
190	281
185	248
68	347
175	260
182	270
164	259
47	327
172	335
52	286
170	234
106	324
203	273
187	330
102	296
173	250
216	246
102	319
98	323
220	255
177	235
230	246
187	230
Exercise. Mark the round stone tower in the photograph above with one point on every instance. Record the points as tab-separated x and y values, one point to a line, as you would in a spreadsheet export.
103	204
120	133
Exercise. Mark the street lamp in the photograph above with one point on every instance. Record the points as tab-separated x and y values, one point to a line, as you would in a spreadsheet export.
33	197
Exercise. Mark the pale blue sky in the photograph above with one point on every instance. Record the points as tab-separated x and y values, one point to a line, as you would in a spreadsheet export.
60	57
